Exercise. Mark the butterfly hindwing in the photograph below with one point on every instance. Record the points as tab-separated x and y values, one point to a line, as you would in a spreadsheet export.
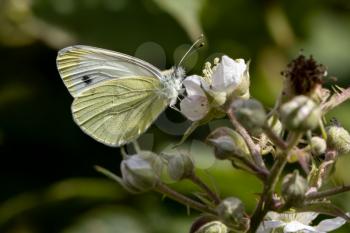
84	66
117	111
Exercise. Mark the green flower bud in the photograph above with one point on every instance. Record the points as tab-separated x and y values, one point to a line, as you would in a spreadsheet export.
318	146
201	221
251	114
180	166
294	188
227	143
213	227
231	211
300	114
141	172
338	139
275	124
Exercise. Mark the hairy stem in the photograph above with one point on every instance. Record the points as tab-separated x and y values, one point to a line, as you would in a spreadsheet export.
336	100
195	179
261	173
328	192
166	190
254	150
274	138
266	199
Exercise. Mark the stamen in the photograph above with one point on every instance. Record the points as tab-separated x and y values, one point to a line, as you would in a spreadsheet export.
216	60
207	65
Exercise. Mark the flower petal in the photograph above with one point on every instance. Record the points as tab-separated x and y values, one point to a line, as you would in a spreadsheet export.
330	224
194	107
193	85
295	226
267	226
305	217
228	74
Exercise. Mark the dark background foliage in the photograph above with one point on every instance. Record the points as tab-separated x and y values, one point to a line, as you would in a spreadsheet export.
48	183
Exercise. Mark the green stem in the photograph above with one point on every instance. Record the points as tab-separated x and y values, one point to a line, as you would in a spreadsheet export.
336	100
274	138
254	150
262	174
266	199
164	189
195	179
328	193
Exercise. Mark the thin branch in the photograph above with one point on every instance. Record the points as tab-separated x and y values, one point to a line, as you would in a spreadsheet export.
164	189
261	173
328	193
266	198
336	100
254	150
195	179
274	138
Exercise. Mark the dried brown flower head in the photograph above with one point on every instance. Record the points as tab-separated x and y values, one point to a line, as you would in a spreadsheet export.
304	75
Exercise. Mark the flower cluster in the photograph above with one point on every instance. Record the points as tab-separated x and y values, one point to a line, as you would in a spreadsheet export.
293	131
225	80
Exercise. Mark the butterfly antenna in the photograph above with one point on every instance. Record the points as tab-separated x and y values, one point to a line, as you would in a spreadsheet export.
196	45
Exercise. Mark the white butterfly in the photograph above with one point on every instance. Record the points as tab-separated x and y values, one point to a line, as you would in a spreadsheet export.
116	96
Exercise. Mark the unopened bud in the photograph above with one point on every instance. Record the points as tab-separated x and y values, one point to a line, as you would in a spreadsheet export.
300	114
338	139
180	166
213	227
201	221
275	124
231	211
227	143
318	146
141	172
294	188
250	113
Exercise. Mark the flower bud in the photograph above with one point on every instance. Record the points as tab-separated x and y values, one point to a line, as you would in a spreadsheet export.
231	211
275	124
201	221
300	114
250	113
141	172
227	143
180	166
318	146
338	139
213	227
294	188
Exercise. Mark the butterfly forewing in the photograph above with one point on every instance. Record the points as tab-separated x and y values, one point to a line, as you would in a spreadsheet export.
83	66
117	111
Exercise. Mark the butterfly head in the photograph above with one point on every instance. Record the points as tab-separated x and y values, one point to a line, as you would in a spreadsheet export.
173	83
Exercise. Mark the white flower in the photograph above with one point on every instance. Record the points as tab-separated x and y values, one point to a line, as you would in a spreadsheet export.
195	106
298	223
228	74
218	81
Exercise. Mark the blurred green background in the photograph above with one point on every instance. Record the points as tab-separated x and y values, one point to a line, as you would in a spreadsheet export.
48	183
